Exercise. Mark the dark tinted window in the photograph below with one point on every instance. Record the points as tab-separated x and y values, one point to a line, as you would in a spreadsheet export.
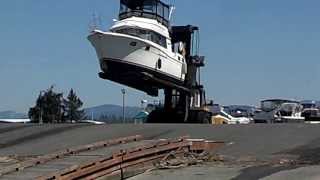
123	8
160	9
149	6
145	34
166	12
151	9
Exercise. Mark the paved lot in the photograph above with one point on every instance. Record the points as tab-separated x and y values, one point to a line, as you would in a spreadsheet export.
215	172
253	150
192	173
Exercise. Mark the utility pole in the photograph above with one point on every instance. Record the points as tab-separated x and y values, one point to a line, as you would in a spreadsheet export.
41	111
41	120
123	91
92	115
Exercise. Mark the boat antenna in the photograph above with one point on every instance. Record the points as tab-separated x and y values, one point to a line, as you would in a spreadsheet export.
172	8
198	45
95	22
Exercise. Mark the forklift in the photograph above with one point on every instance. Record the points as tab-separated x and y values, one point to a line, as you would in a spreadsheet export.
184	103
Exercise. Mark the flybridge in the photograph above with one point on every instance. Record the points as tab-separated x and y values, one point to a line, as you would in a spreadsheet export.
151	9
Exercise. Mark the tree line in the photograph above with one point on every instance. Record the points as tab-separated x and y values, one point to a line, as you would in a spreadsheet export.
52	107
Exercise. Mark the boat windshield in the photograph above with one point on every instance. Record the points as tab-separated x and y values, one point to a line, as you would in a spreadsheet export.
270	105
145	34
152	9
309	106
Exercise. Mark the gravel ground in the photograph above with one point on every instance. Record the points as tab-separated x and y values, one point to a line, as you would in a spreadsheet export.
264	149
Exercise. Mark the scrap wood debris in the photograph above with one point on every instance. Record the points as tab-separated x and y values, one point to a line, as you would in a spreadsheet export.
172	161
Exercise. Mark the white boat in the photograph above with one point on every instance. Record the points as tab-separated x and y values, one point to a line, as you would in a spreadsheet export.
279	111
229	119
139	43
15	120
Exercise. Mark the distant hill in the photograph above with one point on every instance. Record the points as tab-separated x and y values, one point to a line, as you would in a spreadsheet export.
111	110
98	111
12	115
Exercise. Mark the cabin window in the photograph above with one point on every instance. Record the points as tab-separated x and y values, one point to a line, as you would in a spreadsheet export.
149	6
160	9
268	106
145	34
123	8
161	40
166	12
152	9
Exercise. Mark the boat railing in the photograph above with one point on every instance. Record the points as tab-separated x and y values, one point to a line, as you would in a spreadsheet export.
149	15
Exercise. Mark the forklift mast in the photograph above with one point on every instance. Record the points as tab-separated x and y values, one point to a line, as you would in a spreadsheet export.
185	104
189	36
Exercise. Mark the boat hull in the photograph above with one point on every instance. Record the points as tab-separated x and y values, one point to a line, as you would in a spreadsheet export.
126	60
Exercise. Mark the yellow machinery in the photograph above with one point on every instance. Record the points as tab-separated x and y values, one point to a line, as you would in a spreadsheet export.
218	119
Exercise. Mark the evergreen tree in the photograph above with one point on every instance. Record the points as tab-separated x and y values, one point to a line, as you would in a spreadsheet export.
49	107
73	105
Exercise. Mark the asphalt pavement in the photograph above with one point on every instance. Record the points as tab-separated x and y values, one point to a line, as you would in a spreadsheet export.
253	151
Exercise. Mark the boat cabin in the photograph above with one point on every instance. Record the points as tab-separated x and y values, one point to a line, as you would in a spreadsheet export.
272	104
152	9
309	104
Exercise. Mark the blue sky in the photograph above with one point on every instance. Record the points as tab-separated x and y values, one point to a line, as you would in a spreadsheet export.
254	49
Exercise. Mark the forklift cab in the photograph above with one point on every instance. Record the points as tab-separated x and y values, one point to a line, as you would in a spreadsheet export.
187	35
187	104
